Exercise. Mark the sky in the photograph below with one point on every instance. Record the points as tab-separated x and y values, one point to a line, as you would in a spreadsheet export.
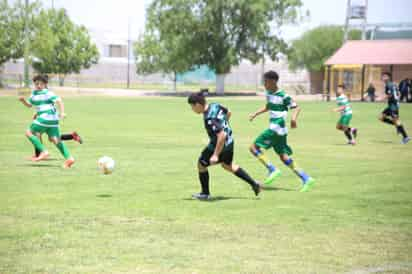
115	15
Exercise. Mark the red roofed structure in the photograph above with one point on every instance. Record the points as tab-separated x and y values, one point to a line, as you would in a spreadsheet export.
358	63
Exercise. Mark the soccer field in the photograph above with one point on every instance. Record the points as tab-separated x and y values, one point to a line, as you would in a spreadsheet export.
141	219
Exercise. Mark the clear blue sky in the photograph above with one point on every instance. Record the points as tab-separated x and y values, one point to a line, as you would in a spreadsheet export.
114	14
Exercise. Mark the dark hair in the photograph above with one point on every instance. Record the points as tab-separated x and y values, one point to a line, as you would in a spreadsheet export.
271	75
341	86
388	74
196	98
41	77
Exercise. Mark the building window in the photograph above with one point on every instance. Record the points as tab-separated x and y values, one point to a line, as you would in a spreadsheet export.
117	51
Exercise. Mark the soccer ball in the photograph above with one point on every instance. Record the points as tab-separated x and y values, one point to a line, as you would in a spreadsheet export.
105	164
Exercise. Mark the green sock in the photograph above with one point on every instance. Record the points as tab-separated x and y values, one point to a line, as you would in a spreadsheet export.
63	150
36	142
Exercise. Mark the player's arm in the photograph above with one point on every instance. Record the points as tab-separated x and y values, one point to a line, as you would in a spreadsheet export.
291	104
295	114
221	137
60	104
25	102
228	115
339	109
258	112
227	112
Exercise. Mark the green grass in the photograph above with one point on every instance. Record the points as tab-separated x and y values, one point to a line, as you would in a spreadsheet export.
141	86
140	219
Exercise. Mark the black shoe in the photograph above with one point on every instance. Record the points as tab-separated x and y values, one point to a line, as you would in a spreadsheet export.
257	188
201	196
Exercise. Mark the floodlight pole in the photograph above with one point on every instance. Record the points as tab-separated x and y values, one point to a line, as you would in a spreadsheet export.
348	11
365	21
328	83
26	44
128	54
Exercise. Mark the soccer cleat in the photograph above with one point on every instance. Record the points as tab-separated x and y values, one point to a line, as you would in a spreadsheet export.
355	132
68	163
31	158
308	185
43	155
272	176
201	196
77	137
352	142
406	140
257	188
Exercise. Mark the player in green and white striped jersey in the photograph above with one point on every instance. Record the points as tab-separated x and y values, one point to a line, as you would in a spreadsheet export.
47	119
345	110
278	103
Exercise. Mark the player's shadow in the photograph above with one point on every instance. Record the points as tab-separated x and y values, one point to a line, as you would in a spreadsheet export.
42	165
220	198
51	159
274	188
104	196
383	142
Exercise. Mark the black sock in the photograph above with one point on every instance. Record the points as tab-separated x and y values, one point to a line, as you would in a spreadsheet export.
37	152
244	176
65	137
348	134
388	121
204	182
402	131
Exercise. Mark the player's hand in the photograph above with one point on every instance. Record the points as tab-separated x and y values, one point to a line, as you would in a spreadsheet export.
252	116
62	116
21	98
293	124
214	159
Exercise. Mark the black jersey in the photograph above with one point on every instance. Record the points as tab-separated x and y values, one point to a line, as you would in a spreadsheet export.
216	120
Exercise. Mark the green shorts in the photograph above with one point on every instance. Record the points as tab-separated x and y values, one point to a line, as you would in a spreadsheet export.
50	131
345	120
269	139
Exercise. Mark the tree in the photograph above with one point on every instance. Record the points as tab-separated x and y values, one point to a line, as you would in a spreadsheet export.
315	46
220	34
60	46
10	26
12	19
152	55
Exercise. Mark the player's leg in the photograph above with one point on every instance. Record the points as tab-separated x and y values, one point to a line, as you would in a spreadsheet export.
227	163
343	123
400	128
71	136
36	150
386	117
284	151
54	137
31	135
203	172
264	141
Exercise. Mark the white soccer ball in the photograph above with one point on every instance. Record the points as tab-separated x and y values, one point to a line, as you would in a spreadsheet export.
106	164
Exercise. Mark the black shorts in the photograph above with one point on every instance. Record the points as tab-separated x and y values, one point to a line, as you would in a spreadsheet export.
226	156
394	113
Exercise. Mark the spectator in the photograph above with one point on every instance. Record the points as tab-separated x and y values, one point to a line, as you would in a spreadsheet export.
404	87
370	92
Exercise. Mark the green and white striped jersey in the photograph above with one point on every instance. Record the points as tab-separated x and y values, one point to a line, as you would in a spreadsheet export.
342	100
278	103
43	101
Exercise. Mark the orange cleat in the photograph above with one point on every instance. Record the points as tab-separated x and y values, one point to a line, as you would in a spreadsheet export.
43	155
77	137
68	163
